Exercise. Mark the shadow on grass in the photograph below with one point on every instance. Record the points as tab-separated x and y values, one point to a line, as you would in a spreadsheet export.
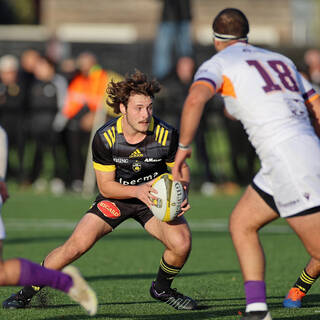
179	315
112	237
206	310
151	275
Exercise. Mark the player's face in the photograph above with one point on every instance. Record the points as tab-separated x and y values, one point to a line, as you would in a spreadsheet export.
138	112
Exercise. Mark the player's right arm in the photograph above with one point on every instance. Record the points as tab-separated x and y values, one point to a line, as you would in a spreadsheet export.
312	101
193	107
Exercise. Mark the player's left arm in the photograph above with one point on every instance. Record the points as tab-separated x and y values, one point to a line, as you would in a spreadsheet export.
313	107
185	179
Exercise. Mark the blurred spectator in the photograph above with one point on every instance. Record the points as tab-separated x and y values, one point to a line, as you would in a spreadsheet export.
57	50
312	61
86	94
169	105
174	36
68	68
28	60
47	94
12	113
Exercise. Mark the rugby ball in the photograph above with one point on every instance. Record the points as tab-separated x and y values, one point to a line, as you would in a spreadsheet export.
169	197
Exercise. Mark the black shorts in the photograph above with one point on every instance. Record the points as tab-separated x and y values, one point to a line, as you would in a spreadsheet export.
115	211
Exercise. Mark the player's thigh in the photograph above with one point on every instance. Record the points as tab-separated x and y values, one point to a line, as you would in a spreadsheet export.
89	229
172	234
307	227
251	213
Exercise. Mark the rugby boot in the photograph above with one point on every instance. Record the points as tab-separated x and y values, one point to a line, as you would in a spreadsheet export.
81	291
173	298
257	315
293	298
16	301
21	299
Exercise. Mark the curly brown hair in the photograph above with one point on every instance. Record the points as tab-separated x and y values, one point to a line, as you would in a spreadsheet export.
137	83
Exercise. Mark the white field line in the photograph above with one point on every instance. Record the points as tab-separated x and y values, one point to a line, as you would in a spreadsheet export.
217	225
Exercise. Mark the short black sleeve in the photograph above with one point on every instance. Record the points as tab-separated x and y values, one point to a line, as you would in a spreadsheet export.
100	152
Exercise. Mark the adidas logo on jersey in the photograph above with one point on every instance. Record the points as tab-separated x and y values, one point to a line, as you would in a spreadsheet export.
136	154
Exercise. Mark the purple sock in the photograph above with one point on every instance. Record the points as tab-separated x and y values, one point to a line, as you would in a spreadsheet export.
36	275
255	291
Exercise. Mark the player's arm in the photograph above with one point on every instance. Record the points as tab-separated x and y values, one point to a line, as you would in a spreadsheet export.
314	110
110	188
185	178
312	101
193	107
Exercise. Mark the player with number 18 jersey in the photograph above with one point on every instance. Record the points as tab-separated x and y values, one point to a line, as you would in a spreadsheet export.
264	90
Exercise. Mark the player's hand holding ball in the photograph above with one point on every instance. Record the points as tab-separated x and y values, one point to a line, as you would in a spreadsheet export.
171	198
146	193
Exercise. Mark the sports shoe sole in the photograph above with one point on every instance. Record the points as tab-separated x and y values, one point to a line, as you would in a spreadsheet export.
288	303
81	292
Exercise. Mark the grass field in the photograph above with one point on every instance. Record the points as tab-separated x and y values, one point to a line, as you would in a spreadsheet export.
122	265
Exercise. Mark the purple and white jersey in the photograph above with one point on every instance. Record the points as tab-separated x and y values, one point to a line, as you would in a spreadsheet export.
263	90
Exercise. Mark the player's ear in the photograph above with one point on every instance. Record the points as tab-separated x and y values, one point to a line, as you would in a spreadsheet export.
123	108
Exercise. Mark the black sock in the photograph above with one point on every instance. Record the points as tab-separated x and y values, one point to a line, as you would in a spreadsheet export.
29	292
165	276
304	282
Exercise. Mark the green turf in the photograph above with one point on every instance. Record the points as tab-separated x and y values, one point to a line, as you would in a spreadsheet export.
122	265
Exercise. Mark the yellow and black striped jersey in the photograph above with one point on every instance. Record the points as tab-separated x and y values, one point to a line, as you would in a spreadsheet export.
135	163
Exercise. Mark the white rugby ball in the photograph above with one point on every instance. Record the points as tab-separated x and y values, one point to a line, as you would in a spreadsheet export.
170	196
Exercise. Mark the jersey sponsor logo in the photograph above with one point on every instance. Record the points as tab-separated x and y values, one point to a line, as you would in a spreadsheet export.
136	167
136	154
152	160
121	160
109	209
287	204
139	180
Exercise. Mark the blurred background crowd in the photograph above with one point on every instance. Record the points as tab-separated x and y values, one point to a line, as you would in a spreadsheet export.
57	57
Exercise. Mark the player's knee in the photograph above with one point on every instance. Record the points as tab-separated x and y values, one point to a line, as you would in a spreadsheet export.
74	250
238	228
314	252
182	245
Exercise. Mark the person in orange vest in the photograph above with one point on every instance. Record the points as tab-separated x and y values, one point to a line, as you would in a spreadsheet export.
86	94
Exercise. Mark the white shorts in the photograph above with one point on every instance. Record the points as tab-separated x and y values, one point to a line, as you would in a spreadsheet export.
291	175
2	229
